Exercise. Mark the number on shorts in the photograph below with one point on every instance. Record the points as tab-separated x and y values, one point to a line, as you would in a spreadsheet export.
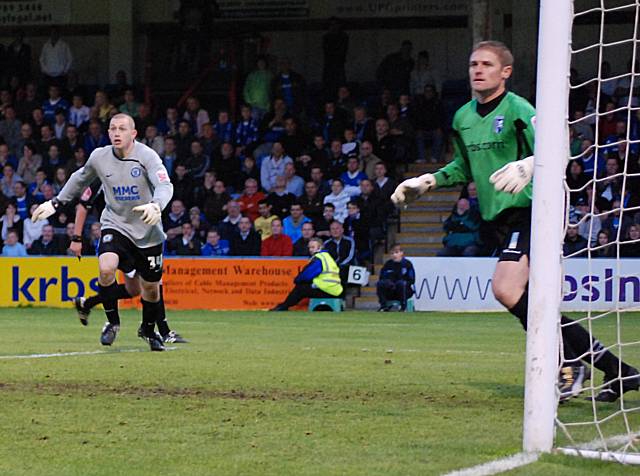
155	262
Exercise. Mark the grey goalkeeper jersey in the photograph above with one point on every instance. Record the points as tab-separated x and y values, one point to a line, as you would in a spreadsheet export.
135	180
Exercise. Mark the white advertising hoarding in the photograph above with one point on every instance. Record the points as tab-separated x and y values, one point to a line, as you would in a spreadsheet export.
464	284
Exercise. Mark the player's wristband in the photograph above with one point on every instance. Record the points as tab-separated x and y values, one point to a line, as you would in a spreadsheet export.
76	239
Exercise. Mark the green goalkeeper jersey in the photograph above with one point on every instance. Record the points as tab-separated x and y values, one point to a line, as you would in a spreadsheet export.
483	145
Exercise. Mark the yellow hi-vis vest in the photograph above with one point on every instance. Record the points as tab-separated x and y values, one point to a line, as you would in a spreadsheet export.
329	279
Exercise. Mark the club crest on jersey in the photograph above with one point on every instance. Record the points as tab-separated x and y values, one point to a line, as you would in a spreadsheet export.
107	238
136	172
498	124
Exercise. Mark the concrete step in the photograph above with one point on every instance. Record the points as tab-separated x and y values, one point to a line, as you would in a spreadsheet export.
368	303
423	216
419	227
411	238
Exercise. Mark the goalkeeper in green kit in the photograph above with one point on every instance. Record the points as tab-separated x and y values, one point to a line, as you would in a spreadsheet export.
493	137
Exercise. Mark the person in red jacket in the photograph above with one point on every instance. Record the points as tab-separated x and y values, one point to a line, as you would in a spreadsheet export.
278	244
250	199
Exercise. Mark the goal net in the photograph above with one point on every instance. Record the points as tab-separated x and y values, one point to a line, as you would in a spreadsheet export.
600	261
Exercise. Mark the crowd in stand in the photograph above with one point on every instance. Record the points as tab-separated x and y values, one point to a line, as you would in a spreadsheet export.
292	165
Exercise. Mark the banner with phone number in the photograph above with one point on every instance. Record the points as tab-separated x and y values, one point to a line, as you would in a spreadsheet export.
189	283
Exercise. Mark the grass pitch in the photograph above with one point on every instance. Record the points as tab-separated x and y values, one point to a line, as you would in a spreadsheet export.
270	394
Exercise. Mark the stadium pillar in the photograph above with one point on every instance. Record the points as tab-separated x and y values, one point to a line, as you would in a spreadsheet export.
121	45
524	33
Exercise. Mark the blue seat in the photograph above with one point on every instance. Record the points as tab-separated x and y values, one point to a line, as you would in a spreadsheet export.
326	304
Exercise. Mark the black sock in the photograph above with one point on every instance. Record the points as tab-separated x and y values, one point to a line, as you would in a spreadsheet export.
120	293
521	308
163	325
150	311
111	311
583	344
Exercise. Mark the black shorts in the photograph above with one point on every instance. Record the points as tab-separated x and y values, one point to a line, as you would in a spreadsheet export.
147	262
512	229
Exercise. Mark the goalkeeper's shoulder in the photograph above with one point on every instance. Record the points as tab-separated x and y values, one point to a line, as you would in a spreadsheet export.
520	106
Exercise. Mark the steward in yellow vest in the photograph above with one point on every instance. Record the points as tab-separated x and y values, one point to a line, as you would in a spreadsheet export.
320	278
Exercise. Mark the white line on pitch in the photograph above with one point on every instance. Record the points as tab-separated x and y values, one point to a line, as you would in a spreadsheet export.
71	354
498	465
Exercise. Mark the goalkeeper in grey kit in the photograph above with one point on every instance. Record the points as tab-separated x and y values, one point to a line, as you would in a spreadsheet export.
493	146
136	189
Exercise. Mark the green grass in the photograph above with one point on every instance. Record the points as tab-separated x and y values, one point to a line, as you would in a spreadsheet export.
270	394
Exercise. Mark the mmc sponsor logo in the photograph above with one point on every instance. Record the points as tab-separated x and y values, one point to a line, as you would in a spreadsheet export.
125	193
63	287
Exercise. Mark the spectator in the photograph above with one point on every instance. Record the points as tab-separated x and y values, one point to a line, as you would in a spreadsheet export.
53	103
395	70
335	44
581	126
183	184
311	201
462	230
397	278
214	199
368	159
273	166
589	224
631	247
245	241
12	247
346	103
47	139
169	156
363	125
339	197
611	186
591	159
21	199
47	244
352	177
399	126
224	127
71	142
29	163
257	88
262	224
246	135
197	163
430	122
227	167
289	86
215	246
279	199
37	121
337	160
55	59
94	138
95	234
278	244
19	58
358	228
195	115
301	246
341	248
168	125
26	137
11	220
317	177
187	244
295	184
229	225
210	141
60	124
34	190
6	157
292	224
10	128
32	230
59	179
79	114
250	199
184	139
383	185
26	105
384	144
199	223
604	248
333	122
153	140
173	221
316	280
371	210
9	178
323	225
424	75
130	106
317	156
293	141
144	119
272	126
102	109
249	170
574	244
576	180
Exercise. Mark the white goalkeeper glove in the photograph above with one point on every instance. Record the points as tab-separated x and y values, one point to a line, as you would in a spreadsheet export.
412	188
513	177
45	210
151	213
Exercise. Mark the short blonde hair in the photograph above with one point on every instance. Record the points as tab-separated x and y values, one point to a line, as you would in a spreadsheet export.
501	50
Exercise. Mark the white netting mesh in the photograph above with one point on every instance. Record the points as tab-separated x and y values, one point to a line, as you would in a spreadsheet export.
603	193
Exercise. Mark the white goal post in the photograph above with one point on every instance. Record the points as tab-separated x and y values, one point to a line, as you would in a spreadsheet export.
545	279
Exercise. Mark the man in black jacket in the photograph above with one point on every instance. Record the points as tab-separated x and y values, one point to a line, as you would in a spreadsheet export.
246	241
397	278
341	248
